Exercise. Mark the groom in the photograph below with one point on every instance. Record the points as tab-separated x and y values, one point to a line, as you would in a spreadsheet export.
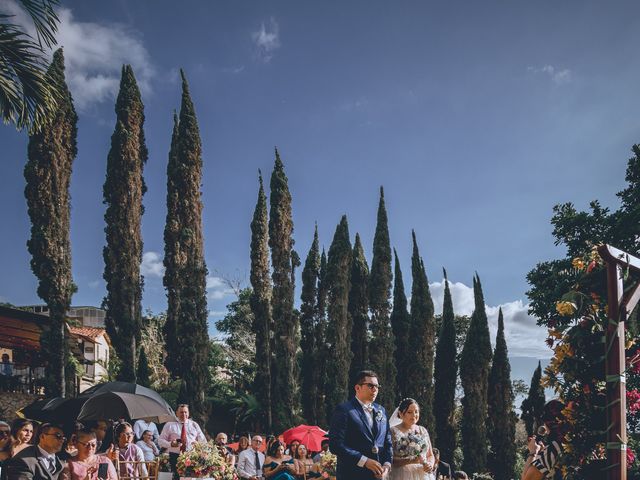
359	434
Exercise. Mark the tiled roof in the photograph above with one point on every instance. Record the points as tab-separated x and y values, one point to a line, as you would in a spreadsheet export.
90	333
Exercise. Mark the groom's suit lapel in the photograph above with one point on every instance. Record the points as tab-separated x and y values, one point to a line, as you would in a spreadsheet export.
363	417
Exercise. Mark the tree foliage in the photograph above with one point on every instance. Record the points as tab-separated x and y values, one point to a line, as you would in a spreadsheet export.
532	406
123	190
359	308
320	371
401	326
48	174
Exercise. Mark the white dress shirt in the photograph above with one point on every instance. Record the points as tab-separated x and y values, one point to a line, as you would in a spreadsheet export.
173	431
140	426
246	465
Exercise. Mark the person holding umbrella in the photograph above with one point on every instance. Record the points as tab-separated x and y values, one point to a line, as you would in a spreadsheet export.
178	436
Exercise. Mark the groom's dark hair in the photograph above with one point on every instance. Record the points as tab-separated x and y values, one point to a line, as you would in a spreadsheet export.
361	375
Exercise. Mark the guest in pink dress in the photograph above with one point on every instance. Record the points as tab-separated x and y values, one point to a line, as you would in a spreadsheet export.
86	465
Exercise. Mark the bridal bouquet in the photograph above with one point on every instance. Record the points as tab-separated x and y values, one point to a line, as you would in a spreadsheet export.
411	446
204	461
328	464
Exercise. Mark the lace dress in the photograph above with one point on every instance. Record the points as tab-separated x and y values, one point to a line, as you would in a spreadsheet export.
413	471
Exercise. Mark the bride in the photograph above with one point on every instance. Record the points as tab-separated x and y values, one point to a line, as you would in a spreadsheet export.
412	452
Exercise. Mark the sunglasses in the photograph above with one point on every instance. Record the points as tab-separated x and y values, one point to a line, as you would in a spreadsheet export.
372	386
59	436
4	433
88	444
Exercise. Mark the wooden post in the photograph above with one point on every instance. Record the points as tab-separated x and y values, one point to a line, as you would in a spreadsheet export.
619	307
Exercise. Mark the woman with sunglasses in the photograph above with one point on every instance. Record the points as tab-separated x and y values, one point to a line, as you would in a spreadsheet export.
22	432
128	452
86	464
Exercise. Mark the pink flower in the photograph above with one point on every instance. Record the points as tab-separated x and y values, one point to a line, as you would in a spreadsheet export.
631	456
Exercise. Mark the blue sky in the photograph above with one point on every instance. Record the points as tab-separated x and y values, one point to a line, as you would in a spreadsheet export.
477	117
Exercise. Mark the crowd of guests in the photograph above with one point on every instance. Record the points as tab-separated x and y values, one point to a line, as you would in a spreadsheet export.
97	450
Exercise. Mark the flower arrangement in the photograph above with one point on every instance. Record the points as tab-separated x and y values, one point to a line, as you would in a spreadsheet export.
163	463
204	461
328	464
410	446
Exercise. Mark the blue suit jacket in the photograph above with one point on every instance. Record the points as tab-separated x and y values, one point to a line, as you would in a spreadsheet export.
350	437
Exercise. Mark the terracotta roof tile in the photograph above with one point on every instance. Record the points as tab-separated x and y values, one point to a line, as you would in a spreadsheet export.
91	333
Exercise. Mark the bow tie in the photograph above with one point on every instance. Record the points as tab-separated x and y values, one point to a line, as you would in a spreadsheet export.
368	408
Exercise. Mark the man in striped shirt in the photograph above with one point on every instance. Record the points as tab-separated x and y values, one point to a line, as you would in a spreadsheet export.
542	459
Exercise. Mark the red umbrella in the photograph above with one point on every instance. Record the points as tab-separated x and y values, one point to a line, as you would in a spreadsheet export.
310	435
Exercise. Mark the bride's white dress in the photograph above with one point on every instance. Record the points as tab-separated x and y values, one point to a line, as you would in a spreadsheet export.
413	471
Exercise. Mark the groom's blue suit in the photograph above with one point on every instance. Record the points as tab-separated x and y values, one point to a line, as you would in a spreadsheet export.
350	438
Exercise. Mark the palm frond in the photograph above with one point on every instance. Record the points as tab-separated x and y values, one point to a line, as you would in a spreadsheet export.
44	19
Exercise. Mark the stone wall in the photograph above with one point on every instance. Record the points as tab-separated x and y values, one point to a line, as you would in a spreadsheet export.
11	402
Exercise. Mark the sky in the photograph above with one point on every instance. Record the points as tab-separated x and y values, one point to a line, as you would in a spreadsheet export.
476	117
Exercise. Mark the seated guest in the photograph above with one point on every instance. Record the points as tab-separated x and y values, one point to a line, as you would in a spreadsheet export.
293	446
69	449
226	452
127	452
101	428
141	425
325	448
441	469
149	449
277	465
243	444
305	467
22	432
270	440
86	464
251	460
39	462
5	443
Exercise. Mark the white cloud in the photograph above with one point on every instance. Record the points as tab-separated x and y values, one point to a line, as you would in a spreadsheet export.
96	283
267	40
152	265
558	76
524	337
217	288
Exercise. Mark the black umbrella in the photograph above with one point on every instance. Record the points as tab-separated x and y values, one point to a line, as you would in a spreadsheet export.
126	387
57	409
115	405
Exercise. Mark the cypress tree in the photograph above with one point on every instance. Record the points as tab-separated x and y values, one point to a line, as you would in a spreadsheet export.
172	263
359	308
308	317
320	371
143	374
501	424
475	361
261	304
283	369
339	323
122	192
533	405
51	152
382	345
445	374
188	257
401	325
422	340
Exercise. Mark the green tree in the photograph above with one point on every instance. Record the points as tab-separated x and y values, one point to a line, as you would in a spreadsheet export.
48	173
501	419
308	318
533	405
382	345
445	374
401	325
339	323
359	308
320	371
152	342
261	305
143	374
122	192
284	382
475	362
28	97
186	257
422	339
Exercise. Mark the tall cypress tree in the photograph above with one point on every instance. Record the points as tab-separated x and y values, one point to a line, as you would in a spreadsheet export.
172	262
143	373
322	354
382	345
308	318
339	324
51	152
401	325
122	192
445	374
359	308
533	405
422	337
284	368
188	254
501	424
261	304
475	362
